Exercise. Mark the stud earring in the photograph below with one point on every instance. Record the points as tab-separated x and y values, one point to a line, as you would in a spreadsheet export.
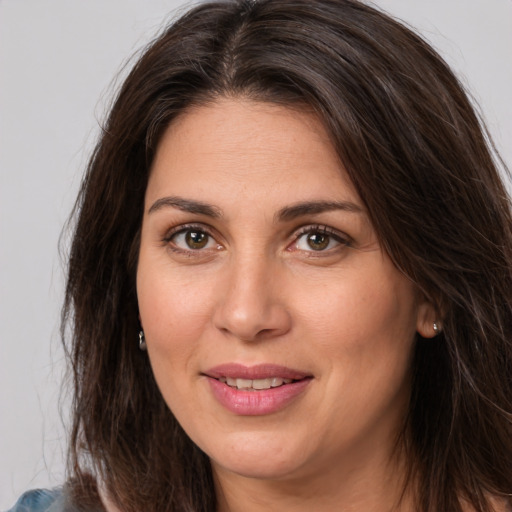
437	329
142	341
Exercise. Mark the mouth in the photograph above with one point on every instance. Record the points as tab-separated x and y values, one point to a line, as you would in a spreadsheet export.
256	390
259	377
256	384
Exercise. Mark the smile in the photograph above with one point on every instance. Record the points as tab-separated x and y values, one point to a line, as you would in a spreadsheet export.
255	384
256	390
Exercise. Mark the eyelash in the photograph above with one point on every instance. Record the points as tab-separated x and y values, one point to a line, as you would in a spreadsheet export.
183	228
342	239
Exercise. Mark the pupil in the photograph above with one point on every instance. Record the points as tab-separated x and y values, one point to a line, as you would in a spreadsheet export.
196	239
318	241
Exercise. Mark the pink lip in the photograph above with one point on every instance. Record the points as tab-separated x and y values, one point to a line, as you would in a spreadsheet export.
259	371
261	402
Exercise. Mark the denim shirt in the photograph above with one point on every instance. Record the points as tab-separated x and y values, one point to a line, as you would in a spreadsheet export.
42	500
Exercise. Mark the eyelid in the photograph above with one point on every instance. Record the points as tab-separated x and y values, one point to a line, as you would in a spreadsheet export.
167	240
185	227
342	238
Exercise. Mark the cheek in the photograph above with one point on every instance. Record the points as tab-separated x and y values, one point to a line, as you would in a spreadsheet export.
364	328
359	311
174	316
364	331
174	310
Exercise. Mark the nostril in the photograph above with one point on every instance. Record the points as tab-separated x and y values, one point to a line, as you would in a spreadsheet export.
251	309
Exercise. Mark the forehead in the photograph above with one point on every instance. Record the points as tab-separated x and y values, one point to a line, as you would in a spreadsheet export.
248	147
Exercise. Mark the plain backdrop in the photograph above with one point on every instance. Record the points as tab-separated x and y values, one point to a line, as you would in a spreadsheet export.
58	59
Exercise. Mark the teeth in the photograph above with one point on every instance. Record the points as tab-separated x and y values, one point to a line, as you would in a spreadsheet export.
262	383
243	383
255	384
276	382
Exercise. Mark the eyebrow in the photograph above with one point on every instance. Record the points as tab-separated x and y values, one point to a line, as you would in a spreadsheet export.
287	213
186	205
313	207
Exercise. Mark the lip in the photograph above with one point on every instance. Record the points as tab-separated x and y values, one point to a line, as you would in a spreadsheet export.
261	402
259	371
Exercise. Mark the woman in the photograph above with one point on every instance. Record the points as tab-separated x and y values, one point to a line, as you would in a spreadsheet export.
289	285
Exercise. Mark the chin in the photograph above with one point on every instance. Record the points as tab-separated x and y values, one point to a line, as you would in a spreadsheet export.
258	469
258	458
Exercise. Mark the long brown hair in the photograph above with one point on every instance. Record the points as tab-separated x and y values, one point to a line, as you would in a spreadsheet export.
421	162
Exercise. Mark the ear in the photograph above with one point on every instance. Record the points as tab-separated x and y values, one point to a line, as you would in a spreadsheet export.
428	323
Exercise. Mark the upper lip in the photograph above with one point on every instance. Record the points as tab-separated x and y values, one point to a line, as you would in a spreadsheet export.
259	371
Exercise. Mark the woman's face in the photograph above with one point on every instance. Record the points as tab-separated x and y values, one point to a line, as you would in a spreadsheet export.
278	330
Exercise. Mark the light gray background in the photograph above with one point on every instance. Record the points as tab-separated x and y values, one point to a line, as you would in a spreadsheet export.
57	62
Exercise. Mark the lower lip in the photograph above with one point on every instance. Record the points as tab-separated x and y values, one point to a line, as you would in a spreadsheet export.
256	403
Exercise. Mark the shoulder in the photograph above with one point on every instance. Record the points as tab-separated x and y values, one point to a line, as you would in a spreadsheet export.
41	500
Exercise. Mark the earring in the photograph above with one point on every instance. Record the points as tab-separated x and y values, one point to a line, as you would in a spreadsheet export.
142	341
437	329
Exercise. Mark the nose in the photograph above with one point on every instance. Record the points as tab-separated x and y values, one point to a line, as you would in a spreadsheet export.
252	305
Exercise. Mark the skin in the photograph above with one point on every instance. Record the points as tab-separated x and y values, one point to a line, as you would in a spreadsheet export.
263	291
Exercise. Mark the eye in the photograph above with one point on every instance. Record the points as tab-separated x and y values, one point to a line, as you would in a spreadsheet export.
192	238
319	239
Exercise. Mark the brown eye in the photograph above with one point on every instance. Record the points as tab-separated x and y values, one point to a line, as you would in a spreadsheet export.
196	239
318	241
192	239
